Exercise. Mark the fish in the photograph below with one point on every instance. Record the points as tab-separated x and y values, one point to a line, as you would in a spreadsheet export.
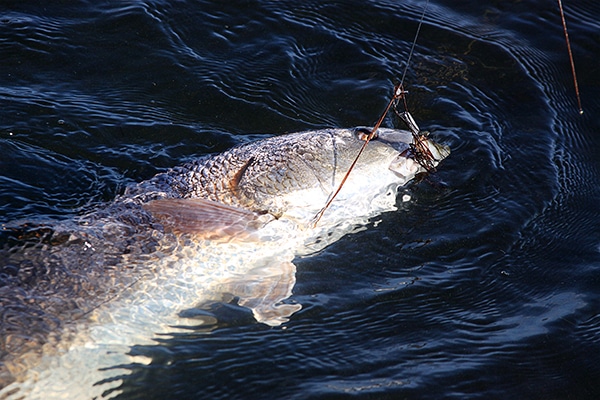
78	296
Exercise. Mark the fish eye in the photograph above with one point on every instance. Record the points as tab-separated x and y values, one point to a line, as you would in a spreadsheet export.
364	133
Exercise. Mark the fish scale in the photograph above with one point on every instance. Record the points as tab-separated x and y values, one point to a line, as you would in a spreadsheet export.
223	226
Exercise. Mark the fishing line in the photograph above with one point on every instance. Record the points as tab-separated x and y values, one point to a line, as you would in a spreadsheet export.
414	43
398	94
564	23
399	91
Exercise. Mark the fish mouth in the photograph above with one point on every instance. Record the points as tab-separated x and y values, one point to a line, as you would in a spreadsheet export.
438	151
422	155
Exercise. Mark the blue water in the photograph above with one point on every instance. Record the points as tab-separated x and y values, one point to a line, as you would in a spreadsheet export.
485	285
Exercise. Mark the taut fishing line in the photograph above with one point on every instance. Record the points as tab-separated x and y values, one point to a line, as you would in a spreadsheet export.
398	94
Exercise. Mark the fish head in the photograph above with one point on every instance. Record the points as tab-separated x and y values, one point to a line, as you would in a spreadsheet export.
391	154
317	163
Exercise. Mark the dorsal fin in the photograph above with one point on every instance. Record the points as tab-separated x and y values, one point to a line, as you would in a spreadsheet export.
235	181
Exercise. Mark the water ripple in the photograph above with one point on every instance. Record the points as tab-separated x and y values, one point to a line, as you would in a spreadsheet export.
483	284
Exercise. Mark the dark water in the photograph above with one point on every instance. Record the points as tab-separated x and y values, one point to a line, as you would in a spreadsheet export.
486	285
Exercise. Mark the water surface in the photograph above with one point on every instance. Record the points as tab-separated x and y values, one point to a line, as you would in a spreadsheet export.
485	285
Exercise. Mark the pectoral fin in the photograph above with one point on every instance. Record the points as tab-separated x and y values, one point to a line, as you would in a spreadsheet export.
263	290
206	219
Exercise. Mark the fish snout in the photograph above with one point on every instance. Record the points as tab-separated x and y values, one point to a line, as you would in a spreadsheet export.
438	151
423	155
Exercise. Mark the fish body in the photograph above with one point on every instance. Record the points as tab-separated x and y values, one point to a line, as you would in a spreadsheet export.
225	226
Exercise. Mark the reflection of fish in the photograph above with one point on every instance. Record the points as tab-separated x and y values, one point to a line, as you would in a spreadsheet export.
230	224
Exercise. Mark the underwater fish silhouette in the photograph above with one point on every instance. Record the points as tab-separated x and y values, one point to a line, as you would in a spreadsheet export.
77	295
